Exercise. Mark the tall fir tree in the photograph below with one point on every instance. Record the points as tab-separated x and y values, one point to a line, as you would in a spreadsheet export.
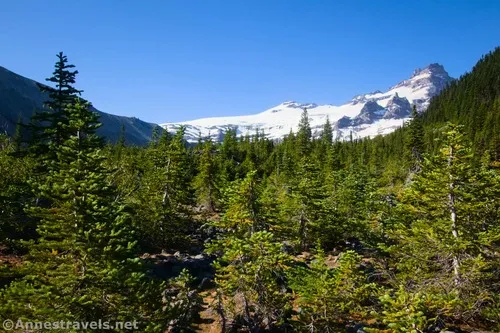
414	144
47	126
327	133
304	135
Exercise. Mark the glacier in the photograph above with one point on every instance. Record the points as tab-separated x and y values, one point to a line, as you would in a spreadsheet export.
365	115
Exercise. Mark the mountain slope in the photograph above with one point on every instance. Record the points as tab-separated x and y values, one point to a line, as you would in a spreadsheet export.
20	96
365	115
473	101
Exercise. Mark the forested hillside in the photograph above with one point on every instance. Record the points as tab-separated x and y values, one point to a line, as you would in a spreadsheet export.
472	101
20	97
393	234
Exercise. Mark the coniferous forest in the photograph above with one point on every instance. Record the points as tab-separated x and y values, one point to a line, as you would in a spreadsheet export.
399	233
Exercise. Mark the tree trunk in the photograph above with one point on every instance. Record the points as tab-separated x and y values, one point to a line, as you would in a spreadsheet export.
302	231
220	311
165	193
453	216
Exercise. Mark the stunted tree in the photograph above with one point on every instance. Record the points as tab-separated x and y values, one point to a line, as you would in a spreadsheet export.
243	212
162	200
205	181
325	295
250	279
304	205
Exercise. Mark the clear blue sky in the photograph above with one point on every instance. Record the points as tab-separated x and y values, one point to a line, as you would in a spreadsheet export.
171	60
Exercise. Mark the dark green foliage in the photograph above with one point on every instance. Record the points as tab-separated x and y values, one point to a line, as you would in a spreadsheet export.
15	195
85	260
205	180
351	200
165	193
406	226
121	139
304	135
86	247
250	274
447	234
304	206
48	125
243	214
327	296
327	133
473	101
414	145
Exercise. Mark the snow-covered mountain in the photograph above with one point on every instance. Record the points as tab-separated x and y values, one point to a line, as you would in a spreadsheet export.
365	115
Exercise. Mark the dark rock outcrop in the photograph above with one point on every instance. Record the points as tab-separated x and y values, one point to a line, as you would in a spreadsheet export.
370	112
397	108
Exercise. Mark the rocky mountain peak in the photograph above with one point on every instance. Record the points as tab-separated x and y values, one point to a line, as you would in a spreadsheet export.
378	112
431	79
434	69
397	108
370	112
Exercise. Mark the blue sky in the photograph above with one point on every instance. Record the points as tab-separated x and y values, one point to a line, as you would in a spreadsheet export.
167	60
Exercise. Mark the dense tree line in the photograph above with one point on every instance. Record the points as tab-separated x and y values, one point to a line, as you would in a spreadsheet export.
396	234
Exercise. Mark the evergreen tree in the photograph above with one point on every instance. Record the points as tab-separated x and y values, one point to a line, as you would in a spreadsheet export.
155	136
450	220
18	135
230	156
327	296
250	278
205	180
121	138
47	126
14	196
327	134
242	216
305	205
414	144
287	155
352	199
304	135
84	261
165	194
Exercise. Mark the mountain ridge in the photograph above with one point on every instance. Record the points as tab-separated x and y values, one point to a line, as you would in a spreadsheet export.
385	112
20	97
